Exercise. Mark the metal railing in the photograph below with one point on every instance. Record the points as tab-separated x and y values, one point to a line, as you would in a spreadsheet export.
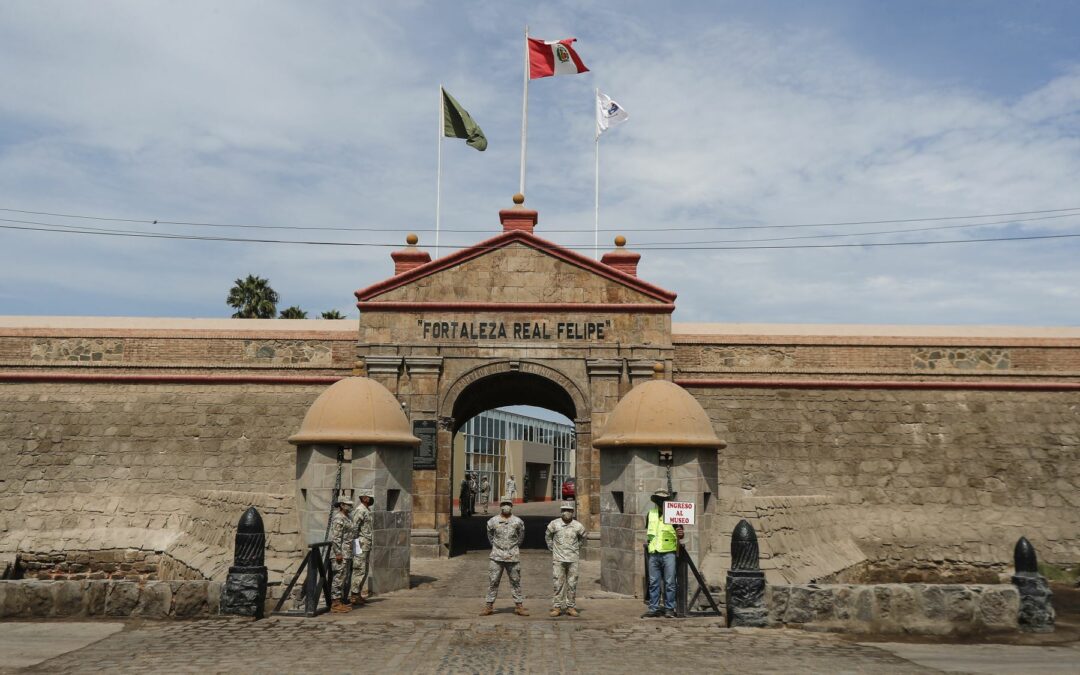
316	584
684	564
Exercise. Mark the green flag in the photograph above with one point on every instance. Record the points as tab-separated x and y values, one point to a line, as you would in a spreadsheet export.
458	123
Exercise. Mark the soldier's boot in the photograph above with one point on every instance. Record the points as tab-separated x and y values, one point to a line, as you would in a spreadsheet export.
520	610
571	611
356	599
487	610
555	611
337	607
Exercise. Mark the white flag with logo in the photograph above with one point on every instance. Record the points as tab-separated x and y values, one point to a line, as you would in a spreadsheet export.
608	113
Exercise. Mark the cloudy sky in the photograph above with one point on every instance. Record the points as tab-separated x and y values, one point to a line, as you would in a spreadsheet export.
744	117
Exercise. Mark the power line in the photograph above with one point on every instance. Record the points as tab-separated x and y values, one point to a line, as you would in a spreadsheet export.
637	245
146	235
870	234
480	231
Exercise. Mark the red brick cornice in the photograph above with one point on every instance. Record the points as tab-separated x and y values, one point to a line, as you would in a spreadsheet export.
873	384
180	334
166	378
579	307
195	378
505	239
929	341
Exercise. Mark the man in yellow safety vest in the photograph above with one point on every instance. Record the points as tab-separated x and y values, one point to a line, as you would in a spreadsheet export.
663	544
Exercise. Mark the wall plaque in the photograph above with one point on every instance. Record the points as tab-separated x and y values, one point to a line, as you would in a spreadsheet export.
424	455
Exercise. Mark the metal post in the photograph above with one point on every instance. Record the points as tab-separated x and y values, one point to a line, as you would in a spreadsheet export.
682	582
439	131
311	583
524	113
645	579
316	586
596	195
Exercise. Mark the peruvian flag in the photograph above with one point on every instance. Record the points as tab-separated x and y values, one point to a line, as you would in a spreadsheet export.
556	57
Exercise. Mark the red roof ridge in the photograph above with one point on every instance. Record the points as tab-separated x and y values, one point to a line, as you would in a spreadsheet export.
501	240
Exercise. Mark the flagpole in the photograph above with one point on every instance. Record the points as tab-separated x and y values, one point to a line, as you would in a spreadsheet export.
596	202
524	112
438	172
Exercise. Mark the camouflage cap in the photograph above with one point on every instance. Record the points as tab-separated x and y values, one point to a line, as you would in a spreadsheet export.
345	501
662	493
366	492
506	500
567	506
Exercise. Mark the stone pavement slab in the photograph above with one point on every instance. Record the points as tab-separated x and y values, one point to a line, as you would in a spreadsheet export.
26	643
990	658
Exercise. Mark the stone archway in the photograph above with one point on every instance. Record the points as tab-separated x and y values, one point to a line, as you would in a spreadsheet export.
493	383
502	383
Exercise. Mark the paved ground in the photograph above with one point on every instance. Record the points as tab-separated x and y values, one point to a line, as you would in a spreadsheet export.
1049	660
26	643
434	628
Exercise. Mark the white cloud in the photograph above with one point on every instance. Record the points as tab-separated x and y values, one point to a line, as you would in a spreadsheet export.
323	115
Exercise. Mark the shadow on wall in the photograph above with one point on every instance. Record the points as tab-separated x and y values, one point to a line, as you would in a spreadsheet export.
802	538
200	549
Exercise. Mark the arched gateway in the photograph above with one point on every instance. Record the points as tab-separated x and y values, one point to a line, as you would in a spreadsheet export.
512	320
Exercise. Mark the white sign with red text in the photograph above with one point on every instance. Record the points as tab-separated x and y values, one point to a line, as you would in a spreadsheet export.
679	513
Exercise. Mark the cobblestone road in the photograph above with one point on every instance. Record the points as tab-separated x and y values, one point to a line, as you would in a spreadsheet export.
495	645
434	628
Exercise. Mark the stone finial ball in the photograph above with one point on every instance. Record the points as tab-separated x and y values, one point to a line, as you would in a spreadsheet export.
620	240
658	368
519	199
411	239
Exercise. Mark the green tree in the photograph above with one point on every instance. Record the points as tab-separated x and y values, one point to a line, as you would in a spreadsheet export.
252	298
332	314
293	312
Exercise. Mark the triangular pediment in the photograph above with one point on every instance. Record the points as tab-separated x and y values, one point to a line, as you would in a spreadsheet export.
516	268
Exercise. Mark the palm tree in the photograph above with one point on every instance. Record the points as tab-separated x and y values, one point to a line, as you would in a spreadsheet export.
252	298
293	312
332	314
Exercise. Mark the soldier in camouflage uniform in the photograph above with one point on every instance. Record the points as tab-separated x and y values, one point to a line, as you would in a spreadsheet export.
362	519
505	532
341	547
485	493
473	487
564	537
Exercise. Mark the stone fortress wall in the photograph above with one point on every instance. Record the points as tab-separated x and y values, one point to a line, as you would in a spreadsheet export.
932	448
127	440
845	443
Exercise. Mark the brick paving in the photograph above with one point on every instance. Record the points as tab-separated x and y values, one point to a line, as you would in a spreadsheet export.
434	628
497	644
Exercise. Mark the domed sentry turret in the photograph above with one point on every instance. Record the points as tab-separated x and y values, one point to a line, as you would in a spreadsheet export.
355	411
658	413
355	439
657	438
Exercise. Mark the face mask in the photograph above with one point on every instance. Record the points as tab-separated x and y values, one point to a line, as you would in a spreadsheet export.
505	510
567	516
